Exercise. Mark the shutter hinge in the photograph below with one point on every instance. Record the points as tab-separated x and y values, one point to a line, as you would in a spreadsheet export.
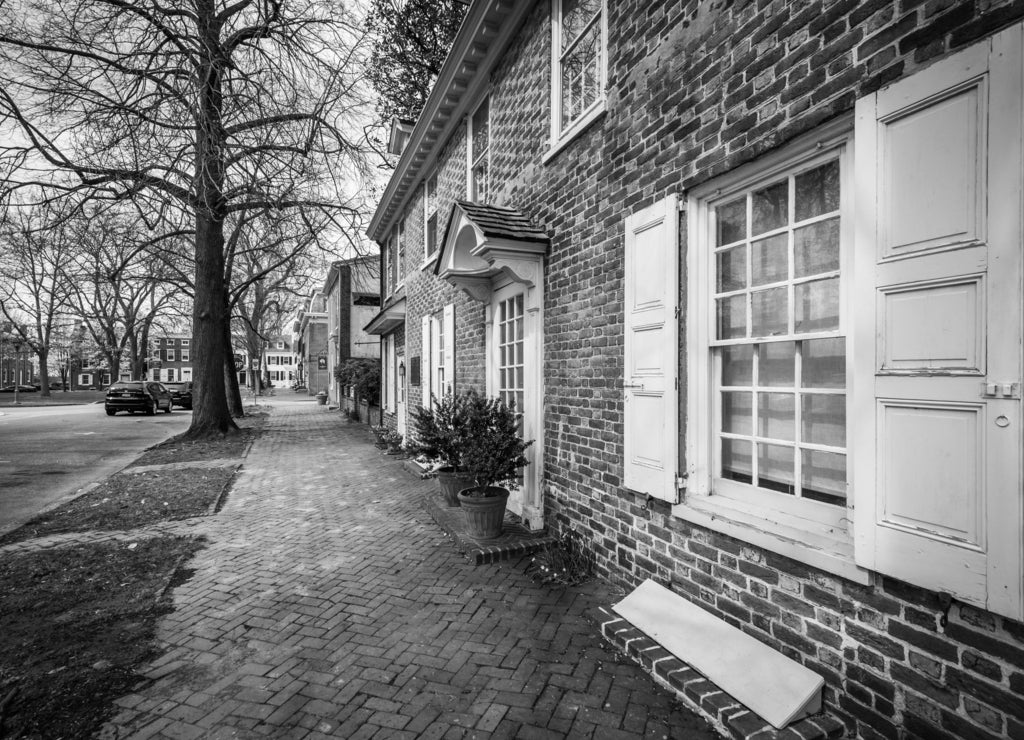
681	487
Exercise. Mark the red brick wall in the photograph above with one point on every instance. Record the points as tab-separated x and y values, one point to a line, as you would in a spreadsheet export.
696	89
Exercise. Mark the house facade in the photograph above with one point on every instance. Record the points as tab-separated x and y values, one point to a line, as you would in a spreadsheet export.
753	274
352	295
310	338
173	358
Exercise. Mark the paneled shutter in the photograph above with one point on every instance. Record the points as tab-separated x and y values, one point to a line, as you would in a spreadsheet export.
651	350
937	452
426	369
449	348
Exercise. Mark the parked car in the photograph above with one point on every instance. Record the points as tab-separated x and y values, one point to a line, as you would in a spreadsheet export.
21	389
137	395
181	393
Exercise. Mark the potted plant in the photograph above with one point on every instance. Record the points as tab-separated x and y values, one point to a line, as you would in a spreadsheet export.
440	433
492	453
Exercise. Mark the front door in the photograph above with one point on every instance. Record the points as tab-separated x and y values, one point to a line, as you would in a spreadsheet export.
514	352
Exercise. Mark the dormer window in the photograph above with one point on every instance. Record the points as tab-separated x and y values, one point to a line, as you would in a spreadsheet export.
401	131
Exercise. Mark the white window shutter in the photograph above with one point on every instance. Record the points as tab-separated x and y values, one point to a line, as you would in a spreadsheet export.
426	371
651	350
449	348
937	440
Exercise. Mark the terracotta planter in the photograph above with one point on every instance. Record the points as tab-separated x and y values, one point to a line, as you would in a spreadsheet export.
451	483
484	514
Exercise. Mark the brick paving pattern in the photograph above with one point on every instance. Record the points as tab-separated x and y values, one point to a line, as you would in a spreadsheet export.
328	604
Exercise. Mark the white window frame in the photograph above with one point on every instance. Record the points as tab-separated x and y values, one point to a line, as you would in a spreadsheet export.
170	355
185	342
472	160
400	254
817	534
186	355
561	134
430	211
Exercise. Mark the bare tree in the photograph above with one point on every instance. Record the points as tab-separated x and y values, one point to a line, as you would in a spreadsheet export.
119	286
37	244
213	107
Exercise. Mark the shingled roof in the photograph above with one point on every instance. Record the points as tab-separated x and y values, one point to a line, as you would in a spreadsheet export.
497	222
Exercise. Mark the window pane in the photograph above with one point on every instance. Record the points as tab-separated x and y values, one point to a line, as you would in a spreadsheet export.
816	248
481	130
769	260
775	364
732	269
824	363
817	305
769	312
731	221
579	76
519	377
770	208
817	191
480	183
737	364
732	317
823	419
736	461
823	476
775	468
775	416
737	412
576	14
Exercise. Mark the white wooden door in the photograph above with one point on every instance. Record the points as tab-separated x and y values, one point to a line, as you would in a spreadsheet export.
651	350
938	339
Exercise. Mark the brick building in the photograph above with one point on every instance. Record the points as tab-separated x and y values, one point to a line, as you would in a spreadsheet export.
352	294
753	273
173	355
311	344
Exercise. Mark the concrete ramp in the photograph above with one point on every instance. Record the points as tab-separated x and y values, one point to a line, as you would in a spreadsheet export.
774	687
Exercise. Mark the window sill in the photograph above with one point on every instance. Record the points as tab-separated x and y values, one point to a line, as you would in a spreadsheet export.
577	128
814	546
429	262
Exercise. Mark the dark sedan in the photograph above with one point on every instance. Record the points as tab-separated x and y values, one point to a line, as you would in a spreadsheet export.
137	395
181	394
21	389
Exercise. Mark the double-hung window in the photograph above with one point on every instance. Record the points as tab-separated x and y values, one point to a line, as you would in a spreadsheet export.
186	355
430	217
400	254
769	346
480	152
579	65
170	355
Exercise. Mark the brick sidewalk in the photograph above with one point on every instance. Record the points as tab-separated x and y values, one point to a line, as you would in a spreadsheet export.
328	604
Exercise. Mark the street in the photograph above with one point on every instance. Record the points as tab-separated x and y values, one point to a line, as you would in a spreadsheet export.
50	453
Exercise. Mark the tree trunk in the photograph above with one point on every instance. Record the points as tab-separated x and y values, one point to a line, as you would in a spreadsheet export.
234	395
210	322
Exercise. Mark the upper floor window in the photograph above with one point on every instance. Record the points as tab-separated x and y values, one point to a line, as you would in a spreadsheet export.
185	355
389	263
185	342
480	153
579	63
430	216
170	355
400	258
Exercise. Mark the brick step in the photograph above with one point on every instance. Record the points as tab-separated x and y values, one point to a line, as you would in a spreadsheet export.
727	714
515	540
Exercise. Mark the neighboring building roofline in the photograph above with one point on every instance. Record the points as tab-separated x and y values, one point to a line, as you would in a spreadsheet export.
485	32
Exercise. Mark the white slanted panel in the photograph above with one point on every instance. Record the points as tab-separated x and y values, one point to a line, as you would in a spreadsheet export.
651	416
448	317
426	371
938	450
769	684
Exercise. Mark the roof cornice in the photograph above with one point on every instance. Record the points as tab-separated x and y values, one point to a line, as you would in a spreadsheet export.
485	32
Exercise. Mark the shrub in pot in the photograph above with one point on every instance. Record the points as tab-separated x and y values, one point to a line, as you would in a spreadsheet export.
440	433
492	453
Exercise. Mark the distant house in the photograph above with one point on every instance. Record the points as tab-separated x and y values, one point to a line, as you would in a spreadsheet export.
752	272
279	362
311	344
352	296
172	358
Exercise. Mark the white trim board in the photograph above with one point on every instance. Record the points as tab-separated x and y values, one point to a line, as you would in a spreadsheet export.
774	687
